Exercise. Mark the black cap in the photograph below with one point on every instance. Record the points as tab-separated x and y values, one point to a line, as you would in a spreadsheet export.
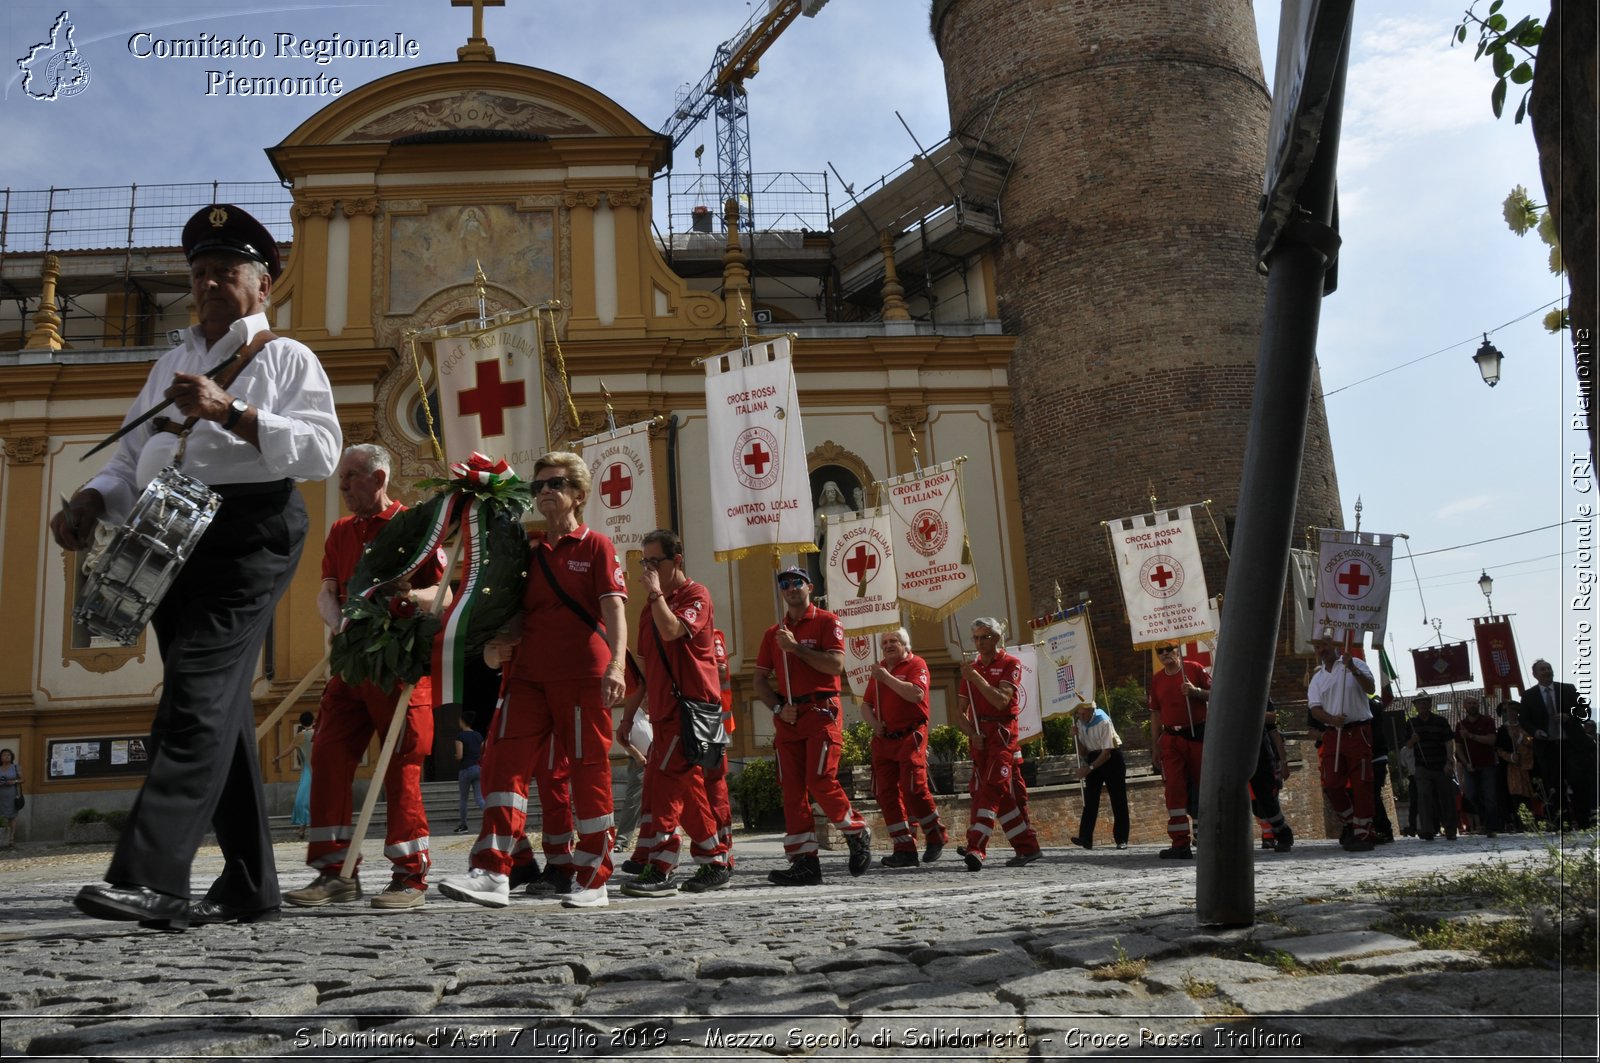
795	573
225	227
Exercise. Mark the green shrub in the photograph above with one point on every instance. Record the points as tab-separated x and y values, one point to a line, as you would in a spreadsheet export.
87	815
1126	704
946	743
857	748
1058	736
116	820
758	793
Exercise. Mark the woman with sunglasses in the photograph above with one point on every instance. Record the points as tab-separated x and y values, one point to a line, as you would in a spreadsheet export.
563	671
989	688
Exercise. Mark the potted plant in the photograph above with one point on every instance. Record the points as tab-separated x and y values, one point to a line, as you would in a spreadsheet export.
855	760
946	745
759	795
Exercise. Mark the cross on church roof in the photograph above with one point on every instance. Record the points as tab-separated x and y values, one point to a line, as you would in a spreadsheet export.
477	46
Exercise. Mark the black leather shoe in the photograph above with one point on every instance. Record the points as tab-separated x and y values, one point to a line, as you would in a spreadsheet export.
208	911
131	904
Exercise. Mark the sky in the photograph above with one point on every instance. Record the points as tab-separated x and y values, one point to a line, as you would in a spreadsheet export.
1477	478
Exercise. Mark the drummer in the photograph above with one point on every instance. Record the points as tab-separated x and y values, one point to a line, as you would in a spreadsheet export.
251	437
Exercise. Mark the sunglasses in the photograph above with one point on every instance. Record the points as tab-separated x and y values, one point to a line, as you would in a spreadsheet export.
790	583
552	483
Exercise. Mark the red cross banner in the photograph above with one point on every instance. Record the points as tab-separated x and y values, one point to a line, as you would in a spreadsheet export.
1029	723
760	489
622	497
491	391
1163	583
861	652
1497	655
937	575
860	570
1353	575
1066	664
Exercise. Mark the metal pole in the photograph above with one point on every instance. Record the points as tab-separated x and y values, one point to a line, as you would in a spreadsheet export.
1263	534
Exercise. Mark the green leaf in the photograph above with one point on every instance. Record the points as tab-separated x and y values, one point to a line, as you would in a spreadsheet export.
1503	63
1522	110
1461	33
1530	37
1497	98
1522	74
1482	46
1496	23
1496	6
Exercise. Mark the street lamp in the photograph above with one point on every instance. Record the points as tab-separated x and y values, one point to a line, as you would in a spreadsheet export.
1486	585
1488	360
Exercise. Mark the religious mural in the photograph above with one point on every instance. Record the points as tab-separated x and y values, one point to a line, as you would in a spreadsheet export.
443	247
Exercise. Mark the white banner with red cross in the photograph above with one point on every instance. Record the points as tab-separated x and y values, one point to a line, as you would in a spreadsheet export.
491	391
1066	664
1163	583
861	652
1354	571
1029	722
937	575
860	559
622	491
760	489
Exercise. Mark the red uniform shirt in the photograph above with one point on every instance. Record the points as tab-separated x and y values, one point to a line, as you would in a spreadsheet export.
818	629
1167	700
1003	669
349	536
692	657
896	712
719	648
557	644
1478	754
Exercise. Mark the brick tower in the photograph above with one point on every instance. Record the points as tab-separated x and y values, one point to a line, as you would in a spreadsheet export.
1126	269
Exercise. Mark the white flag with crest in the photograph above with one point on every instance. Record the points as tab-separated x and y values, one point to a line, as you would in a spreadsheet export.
622	491
937	575
1354	570
491	392
760	489
861	652
1066	664
860	559
1029	722
1163	583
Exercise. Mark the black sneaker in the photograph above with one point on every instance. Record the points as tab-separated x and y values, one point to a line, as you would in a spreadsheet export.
1082	843
1177	852
634	867
974	861
709	877
554	882
802	871
899	858
651	882
523	874
1269	844
1347	835
1359	845
934	850
1283	840
860	844
1024	859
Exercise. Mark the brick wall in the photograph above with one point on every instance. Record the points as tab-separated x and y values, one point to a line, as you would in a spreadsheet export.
1126	268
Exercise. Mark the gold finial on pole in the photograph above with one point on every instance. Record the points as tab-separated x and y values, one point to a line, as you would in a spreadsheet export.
1152	486
1057	590
480	284
916	458
611	415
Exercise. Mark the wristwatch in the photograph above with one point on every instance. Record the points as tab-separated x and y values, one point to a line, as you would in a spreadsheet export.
236	410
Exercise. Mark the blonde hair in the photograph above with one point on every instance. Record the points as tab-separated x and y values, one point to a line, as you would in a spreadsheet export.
576	469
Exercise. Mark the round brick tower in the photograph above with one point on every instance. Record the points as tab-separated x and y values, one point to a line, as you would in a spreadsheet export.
1138	130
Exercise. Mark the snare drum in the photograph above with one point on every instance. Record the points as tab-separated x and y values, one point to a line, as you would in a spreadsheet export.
128	580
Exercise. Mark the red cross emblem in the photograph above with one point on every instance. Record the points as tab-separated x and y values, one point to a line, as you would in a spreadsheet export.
1161	576
617	486
755	459
489	398
860	565
1353	580
926	528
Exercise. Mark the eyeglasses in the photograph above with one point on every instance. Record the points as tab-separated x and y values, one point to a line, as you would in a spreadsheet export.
652	562
990	637
552	483
791	583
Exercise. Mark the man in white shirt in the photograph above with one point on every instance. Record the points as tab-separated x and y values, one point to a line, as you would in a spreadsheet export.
1337	696
265	420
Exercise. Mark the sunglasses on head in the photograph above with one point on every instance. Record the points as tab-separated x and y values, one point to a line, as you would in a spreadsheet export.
553	483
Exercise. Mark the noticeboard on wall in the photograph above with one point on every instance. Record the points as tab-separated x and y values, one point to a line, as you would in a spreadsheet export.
92	758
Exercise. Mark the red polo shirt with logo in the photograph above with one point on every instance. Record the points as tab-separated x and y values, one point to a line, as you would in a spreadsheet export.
692	658
1168	702
558	645
818	629
896	712
1003	669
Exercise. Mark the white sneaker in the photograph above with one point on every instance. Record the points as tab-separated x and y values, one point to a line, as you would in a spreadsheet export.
479	887
578	898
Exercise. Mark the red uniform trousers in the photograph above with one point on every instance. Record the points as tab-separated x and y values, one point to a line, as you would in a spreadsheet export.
1346	761
1180	777
808	765
563	733
676	791
716	789
994	797
900	782
350	716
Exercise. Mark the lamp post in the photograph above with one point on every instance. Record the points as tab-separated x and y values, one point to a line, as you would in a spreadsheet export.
1488	360
1486	585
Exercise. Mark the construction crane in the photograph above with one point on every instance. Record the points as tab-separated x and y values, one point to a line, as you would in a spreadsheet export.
722	89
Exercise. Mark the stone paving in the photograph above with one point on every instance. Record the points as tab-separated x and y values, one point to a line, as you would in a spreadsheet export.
926	963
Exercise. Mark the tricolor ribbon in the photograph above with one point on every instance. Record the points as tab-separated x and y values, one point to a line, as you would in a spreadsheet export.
444	510
480	470
450	648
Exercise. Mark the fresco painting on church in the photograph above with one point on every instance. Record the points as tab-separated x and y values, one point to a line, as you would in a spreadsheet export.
442	248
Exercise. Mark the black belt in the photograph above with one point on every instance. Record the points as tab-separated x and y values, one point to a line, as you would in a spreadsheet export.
1182	732
891	735
1348	726
248	490
824	697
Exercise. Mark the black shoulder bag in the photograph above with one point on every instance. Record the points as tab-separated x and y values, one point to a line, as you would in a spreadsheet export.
583	614
700	731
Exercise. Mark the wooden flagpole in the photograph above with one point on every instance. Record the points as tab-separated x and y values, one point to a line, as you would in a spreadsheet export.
294	695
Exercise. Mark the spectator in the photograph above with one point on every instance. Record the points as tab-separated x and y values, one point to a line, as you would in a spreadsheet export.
469	752
1553	712
300	748
1100	767
1475	737
1433	745
10	792
1514	747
